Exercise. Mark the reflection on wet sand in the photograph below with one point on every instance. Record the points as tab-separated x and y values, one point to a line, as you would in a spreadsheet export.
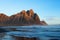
33	38
28	33
2	35
54	39
24	38
8	37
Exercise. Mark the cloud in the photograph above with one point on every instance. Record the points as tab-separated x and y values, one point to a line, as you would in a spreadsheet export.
53	20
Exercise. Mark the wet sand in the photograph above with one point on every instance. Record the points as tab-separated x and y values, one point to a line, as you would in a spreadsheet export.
29	33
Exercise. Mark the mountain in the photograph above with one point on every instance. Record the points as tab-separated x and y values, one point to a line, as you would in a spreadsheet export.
3	18
22	18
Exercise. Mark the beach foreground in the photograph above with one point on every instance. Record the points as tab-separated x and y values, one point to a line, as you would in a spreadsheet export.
34	32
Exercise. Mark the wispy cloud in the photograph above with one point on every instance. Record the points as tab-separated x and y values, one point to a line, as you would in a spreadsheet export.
53	20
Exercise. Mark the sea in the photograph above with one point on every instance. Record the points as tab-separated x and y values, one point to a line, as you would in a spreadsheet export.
45	32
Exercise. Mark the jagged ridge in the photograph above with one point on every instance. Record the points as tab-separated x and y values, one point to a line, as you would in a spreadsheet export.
23	18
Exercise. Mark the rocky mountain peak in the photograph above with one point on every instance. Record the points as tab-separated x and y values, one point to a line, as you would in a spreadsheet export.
1	14
22	18
30	12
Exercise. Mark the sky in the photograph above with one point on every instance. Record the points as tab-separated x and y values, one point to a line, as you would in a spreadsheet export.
48	10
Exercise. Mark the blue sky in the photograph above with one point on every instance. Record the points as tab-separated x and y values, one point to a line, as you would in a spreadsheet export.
48	10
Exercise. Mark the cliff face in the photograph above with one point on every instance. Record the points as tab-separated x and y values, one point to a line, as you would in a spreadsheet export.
3	18
23	18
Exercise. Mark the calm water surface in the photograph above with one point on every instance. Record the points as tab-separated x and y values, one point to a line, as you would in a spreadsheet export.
51	32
